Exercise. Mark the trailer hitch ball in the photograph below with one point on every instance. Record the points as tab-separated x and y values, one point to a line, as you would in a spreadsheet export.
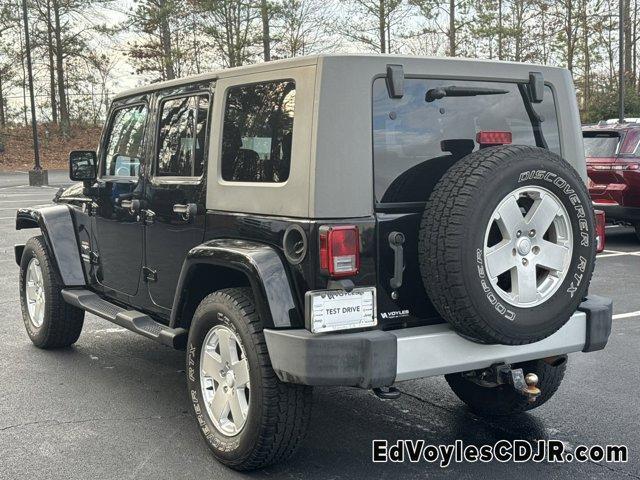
532	390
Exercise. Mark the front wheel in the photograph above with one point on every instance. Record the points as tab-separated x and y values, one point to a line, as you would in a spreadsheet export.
49	320
503	399
248	417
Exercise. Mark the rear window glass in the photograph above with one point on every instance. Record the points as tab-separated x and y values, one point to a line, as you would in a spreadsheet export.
599	145
425	130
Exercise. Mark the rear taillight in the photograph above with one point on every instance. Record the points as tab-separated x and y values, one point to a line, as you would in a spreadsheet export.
491	138
600	231
339	250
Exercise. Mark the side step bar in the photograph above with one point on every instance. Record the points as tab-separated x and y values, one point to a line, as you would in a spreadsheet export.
133	320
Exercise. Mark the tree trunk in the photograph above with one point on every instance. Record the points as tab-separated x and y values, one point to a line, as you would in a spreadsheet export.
382	26
165	40
569	32
266	36
3	120
452	28
52	69
587	56
635	43
519	7
628	43
500	30
62	94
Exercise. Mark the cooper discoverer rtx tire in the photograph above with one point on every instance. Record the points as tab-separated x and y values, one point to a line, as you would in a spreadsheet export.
248	417
507	244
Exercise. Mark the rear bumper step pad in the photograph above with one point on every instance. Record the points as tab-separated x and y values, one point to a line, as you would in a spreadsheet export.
133	320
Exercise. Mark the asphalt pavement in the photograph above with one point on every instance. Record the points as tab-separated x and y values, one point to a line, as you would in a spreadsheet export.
114	406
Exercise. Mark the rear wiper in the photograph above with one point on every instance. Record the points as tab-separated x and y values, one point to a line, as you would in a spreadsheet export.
453	91
535	119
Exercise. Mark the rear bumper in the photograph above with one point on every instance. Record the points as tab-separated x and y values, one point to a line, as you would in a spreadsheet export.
377	358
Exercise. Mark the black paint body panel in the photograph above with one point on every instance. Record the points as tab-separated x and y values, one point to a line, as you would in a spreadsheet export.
59	232
263	267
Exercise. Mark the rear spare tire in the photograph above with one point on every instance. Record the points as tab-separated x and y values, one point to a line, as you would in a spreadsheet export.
507	244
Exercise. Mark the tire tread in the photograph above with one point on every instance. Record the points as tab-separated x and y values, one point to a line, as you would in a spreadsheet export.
288	406
442	230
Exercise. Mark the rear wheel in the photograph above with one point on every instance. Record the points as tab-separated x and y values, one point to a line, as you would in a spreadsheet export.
50	321
248	417
503	399
507	244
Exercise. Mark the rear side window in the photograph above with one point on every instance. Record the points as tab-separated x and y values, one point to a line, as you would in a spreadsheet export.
124	148
258	132
416	138
600	144
182	136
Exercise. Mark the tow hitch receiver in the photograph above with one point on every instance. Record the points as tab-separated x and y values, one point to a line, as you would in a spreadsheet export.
503	374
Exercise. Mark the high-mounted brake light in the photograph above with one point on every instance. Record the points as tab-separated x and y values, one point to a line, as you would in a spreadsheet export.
339	250
600	231
490	138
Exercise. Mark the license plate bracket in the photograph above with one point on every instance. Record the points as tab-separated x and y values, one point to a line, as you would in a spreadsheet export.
333	310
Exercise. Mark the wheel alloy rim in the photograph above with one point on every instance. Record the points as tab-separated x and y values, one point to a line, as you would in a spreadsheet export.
34	293
224	380
528	246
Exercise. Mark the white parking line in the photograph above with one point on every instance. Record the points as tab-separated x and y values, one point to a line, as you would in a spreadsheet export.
615	253
626	315
12	201
34	195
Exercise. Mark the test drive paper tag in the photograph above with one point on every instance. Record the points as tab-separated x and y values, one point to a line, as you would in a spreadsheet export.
331	310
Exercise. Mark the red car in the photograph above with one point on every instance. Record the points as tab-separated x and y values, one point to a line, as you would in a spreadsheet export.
613	166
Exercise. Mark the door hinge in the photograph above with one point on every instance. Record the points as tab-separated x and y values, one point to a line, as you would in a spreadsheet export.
149	274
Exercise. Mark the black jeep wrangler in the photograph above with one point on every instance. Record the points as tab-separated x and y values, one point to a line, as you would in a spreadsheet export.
331	220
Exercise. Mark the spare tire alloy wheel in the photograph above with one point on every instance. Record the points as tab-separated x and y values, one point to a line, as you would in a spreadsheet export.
507	244
224	380
528	256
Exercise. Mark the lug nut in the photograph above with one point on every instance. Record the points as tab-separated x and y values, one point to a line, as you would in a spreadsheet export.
536	250
518	234
532	233
525	262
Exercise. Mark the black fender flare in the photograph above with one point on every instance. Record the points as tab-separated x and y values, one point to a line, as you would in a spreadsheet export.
262	266
58	229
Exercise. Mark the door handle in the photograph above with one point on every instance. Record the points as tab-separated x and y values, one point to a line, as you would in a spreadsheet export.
187	211
132	205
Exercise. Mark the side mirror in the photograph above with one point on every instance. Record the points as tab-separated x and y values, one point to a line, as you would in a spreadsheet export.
82	165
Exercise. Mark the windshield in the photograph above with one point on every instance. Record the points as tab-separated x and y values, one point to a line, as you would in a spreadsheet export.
599	145
416	138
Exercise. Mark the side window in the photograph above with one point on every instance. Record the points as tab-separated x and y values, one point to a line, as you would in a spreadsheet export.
182	136
258	132
125	144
